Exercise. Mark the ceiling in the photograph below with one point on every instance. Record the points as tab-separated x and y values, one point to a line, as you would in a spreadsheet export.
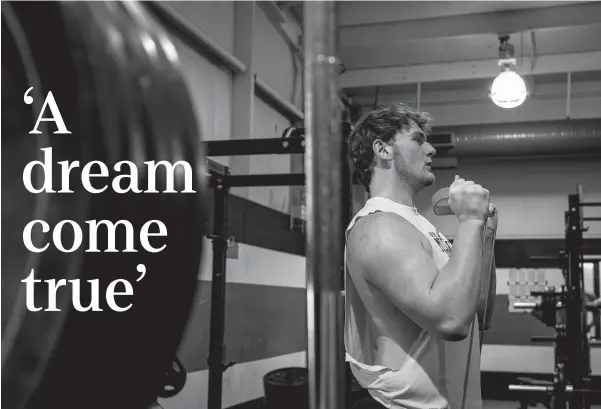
450	48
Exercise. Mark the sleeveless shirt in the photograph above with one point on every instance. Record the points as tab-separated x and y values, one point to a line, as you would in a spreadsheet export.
433	373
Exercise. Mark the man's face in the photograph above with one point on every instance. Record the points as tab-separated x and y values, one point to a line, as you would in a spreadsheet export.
412	156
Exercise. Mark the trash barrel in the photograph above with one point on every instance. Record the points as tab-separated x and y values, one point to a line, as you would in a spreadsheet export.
287	388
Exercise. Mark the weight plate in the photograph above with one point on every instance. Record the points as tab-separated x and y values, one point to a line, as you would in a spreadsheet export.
116	79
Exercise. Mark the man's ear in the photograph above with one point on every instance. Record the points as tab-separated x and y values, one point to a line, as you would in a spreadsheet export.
382	150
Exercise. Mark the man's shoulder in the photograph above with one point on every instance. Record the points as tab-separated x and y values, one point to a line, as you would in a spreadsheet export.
379	223
384	230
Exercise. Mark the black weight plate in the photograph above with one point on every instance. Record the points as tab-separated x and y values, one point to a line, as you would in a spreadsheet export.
174	380
115	76
29	338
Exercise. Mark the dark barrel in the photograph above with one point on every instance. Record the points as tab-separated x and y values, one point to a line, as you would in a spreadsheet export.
286	388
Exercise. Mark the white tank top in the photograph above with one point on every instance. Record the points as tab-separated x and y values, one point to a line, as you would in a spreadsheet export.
433	374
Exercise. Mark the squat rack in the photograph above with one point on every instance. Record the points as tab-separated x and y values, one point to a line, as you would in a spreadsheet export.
571	380
328	196
325	342
329	206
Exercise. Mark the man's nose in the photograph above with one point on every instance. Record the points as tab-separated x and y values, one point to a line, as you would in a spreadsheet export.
430	150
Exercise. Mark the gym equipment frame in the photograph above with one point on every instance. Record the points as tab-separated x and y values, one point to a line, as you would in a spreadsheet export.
328	197
570	387
221	180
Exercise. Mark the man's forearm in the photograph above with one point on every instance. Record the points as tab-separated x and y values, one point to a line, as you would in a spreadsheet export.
488	284
457	287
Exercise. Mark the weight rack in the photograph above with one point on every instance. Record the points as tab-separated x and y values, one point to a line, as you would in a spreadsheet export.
571	378
328	195
221	180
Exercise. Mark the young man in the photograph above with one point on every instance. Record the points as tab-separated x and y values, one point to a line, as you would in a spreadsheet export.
414	304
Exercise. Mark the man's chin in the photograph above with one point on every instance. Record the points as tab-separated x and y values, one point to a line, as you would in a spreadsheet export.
426	180
429	179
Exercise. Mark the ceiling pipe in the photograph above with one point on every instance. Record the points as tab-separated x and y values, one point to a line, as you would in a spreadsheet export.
574	137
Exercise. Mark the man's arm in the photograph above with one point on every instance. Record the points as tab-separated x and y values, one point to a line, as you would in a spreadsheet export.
395	257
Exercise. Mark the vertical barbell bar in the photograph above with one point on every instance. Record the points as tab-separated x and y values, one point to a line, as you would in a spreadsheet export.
324	194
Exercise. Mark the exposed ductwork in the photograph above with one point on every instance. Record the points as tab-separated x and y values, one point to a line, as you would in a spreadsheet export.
566	137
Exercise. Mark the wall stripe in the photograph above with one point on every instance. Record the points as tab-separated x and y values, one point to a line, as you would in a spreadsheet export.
519	252
260	322
255	265
263	322
513	328
261	226
241	383
526	359
266	317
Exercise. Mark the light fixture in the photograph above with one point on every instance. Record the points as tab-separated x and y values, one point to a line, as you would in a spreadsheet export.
508	89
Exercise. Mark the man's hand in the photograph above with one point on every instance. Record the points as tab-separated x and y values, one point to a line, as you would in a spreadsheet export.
469	201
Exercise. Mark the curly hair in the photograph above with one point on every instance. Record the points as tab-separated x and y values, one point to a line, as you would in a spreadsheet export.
381	124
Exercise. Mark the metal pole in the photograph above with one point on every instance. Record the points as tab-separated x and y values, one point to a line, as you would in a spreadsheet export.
196	39
576	354
324	247
286	108
346	211
217	325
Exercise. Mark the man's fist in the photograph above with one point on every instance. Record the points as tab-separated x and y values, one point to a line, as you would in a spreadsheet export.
469	200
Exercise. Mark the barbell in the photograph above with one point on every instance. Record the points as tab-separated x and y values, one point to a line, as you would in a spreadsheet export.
116	78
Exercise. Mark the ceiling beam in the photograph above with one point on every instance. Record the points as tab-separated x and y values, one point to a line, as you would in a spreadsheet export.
469	48
509	21
279	22
555	90
533	110
464	70
374	12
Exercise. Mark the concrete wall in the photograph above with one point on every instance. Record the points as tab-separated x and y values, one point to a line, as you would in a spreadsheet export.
270	124
531	196
212	89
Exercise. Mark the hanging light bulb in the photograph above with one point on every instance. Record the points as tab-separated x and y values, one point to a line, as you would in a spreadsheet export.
508	89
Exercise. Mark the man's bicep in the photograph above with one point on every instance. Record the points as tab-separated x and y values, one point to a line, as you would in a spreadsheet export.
396	261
